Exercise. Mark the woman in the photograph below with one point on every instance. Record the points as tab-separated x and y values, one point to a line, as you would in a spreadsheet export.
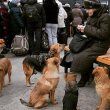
16	24
61	24
52	10
97	28
78	16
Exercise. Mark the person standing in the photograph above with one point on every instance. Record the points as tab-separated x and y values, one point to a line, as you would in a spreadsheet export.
52	10
78	16
61	24
35	20
5	25
16	24
69	19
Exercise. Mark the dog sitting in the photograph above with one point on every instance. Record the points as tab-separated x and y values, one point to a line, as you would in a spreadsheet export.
5	67
32	64
102	82
71	92
2	44
46	86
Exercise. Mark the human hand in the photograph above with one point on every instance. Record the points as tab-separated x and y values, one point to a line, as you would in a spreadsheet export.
43	29
81	28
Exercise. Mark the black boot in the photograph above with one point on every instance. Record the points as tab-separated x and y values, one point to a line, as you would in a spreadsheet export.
91	78
83	80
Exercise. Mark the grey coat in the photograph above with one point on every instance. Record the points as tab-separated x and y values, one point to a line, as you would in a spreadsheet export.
97	28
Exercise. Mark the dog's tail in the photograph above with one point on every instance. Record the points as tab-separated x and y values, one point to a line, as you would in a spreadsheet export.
25	103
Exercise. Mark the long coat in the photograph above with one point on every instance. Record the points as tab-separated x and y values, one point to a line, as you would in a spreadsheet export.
78	15
97	28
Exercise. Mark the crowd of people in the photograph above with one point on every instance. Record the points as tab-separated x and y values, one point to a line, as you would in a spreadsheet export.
53	17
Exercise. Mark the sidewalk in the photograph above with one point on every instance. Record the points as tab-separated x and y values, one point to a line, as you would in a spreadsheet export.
88	98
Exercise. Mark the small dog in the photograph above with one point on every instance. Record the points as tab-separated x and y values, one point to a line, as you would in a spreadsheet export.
31	64
46	86
2	44
102	82
71	92
5	67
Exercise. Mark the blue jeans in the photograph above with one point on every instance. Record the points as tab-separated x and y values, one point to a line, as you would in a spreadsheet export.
51	30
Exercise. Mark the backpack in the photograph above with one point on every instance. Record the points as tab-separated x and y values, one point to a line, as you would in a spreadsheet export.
45	42
20	45
32	13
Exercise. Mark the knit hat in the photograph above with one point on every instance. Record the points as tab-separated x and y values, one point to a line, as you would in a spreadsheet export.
15	1
92	4
67	5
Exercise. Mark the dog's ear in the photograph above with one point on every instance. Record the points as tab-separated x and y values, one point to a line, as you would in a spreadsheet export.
106	69
65	77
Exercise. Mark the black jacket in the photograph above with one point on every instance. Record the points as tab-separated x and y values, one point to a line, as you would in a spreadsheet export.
15	18
52	11
41	12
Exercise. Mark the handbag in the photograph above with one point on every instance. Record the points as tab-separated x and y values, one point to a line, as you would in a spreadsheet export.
80	42
45	42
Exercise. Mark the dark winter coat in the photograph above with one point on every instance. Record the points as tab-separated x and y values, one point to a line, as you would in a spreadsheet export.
68	20
16	23
97	28
41	12
5	22
78	15
52	11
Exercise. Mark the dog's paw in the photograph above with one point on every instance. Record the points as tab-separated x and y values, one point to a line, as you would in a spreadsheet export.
28	85
97	108
54	102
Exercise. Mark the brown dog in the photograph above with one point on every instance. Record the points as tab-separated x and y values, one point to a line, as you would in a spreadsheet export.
102	86
2	44
5	67
31	64
46	86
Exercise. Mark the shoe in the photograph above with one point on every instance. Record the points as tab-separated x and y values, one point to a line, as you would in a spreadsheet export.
91	78
84	79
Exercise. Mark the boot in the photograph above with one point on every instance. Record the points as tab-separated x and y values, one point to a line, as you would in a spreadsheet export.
84	79
91	78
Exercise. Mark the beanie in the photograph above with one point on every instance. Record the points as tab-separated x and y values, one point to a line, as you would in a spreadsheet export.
15	1
67	5
92	4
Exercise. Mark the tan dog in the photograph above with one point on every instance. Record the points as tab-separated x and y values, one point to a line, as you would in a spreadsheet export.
102	86
46	86
2	44
31	64
5	67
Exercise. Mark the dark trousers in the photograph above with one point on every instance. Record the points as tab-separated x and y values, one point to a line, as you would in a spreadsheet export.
34	38
74	30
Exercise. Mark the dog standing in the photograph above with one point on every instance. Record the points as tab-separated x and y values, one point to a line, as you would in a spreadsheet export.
31	64
102	82
71	92
46	86
5	67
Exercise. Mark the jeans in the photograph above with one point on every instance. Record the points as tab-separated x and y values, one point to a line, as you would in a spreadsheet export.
51	30
34	39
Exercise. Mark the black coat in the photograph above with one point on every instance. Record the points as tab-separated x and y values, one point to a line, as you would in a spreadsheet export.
16	23
68	20
97	28
52	11
41	12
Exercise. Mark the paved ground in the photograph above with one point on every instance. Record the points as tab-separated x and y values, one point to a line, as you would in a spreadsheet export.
88	98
